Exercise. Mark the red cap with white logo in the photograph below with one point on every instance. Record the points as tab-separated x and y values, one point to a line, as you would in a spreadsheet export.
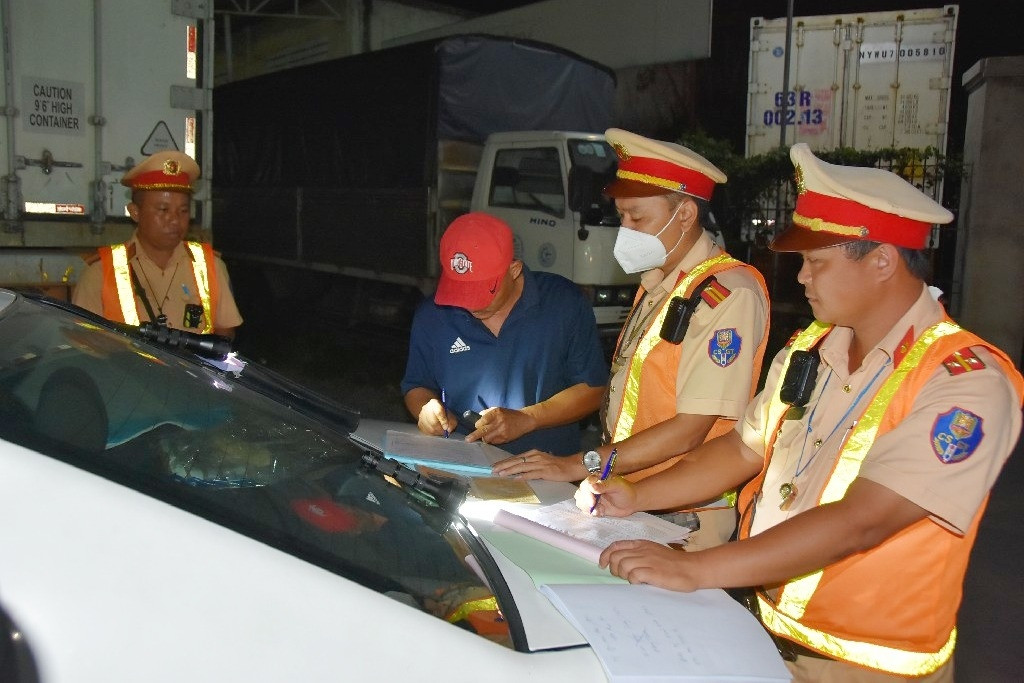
476	251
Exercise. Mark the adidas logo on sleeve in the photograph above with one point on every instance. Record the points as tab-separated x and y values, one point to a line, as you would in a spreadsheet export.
458	346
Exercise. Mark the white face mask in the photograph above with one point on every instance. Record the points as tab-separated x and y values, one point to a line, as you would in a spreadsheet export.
639	251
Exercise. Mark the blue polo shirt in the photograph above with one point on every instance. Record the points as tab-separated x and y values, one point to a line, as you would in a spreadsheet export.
548	343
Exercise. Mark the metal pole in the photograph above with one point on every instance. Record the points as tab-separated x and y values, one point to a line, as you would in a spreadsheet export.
11	209
785	74
782	139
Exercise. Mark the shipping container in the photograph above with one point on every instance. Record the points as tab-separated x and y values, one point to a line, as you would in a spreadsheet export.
866	81
91	89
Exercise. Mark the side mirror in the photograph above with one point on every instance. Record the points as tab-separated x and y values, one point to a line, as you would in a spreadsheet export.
589	216
581	184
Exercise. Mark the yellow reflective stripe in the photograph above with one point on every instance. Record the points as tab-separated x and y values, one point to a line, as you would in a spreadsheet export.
201	273
863	435
797	594
123	283
470	606
631	388
889	659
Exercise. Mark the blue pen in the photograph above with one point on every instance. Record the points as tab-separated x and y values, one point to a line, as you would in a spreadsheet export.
604	475
184	288
445	409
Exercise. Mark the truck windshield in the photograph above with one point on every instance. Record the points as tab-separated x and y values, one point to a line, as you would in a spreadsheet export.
528	179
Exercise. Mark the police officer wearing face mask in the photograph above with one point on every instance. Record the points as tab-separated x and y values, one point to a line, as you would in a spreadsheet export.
689	356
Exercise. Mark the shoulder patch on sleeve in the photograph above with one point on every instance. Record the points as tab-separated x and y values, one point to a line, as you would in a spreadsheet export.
714	293
724	347
956	434
964	360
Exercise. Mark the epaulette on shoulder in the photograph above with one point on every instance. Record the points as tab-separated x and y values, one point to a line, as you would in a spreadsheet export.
964	360
715	293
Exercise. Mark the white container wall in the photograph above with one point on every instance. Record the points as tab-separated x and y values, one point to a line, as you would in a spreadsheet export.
865	81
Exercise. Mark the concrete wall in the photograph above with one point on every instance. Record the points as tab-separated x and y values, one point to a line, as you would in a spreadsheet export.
990	244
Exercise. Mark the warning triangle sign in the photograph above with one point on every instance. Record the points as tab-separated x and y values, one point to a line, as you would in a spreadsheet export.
159	140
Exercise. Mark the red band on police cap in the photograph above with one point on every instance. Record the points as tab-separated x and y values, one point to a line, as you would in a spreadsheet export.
666	174
158	180
822	213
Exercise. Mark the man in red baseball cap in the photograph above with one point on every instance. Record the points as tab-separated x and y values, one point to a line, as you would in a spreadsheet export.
476	254
158	275
518	348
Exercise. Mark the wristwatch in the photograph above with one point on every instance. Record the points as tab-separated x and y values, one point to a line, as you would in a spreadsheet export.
592	461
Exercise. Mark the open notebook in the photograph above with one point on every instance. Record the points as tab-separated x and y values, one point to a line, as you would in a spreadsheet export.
639	632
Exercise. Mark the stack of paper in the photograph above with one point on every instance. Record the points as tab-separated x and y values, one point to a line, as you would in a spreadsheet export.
454	455
565	526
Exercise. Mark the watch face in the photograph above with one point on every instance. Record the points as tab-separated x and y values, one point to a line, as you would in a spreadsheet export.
592	461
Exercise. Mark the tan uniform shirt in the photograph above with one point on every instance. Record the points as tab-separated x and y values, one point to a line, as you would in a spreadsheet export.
904	459
168	289
703	387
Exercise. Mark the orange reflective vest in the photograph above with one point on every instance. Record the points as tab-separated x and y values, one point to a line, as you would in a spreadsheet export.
118	295
649	392
892	608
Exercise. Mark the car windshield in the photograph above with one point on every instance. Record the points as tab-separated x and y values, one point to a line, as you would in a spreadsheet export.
241	447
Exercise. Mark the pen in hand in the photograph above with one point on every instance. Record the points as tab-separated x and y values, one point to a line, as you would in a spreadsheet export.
444	411
604	476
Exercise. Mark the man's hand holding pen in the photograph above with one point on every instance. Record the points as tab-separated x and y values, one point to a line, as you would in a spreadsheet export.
434	419
606	496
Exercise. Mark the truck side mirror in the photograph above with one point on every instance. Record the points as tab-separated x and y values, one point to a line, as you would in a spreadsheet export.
581	184
591	215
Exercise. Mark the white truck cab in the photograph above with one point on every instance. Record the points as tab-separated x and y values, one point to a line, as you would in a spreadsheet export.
547	186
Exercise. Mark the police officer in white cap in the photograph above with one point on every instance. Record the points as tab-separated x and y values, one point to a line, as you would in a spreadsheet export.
870	452
158	275
689	356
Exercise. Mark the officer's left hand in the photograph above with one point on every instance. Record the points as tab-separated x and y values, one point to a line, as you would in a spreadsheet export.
534	464
501	425
653	563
